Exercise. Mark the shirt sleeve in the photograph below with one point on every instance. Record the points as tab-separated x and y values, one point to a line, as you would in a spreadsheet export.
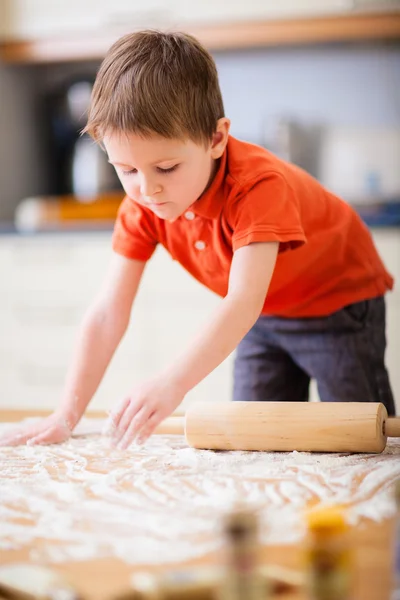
267	211
135	234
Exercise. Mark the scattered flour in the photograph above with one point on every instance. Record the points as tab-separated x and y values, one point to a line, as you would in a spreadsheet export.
162	502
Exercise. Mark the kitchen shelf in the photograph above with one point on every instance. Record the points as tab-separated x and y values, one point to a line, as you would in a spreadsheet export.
353	27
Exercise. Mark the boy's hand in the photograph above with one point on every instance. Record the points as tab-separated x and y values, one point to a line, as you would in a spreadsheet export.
136	417
54	429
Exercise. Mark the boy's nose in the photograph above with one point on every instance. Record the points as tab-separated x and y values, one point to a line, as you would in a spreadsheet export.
148	187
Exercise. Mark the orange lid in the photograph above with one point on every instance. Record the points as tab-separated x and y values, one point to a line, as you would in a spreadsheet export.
329	519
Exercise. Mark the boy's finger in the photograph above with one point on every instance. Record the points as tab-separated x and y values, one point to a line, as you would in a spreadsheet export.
14	439
134	427
48	436
148	428
125	422
22	435
115	416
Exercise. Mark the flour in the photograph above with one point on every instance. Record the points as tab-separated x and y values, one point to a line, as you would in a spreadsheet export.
163	502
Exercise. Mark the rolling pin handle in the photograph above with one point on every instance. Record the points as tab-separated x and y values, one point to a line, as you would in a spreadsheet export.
172	426
391	427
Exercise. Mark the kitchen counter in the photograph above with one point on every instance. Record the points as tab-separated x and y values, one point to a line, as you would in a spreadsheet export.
380	215
95	227
105	577
374	219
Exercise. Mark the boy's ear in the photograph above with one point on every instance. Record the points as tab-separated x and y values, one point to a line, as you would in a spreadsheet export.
220	138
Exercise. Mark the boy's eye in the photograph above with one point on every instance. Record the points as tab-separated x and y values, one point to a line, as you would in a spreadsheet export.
169	170
159	169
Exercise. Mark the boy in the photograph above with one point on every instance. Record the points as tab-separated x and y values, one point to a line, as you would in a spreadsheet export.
302	284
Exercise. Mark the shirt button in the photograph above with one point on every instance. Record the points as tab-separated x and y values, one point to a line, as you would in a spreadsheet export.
189	215
199	245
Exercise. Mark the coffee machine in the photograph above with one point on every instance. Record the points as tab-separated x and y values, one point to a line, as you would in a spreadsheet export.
76	164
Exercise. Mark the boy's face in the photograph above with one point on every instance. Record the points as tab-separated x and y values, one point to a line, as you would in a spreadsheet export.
165	175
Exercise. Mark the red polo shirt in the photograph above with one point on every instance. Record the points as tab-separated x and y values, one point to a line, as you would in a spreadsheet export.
326	258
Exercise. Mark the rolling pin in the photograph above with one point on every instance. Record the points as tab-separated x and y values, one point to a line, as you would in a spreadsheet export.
285	426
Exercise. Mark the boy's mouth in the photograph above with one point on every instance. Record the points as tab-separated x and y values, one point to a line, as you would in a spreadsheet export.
159	203
149	202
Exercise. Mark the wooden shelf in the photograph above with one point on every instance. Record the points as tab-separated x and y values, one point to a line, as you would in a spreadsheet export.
319	30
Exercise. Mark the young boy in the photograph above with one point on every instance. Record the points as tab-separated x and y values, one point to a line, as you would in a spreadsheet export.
301	281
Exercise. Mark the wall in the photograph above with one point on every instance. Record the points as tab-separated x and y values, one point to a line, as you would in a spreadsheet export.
357	85
354	84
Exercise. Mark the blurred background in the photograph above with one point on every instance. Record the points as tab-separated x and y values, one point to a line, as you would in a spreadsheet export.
318	83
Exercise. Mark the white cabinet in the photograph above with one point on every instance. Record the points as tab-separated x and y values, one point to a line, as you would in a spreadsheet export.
218	11
376	5
28	19
48	282
4	20
33	19
388	244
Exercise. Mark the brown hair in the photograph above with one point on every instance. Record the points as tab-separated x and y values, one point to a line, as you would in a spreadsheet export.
152	82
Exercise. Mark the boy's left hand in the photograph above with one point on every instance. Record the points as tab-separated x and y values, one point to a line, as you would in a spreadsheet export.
136	417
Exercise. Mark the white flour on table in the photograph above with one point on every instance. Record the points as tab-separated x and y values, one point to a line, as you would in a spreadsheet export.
163	502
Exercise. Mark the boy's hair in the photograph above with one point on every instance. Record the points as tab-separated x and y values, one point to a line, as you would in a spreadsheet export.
152	82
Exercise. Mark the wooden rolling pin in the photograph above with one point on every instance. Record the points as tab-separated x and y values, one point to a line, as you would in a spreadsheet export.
285	426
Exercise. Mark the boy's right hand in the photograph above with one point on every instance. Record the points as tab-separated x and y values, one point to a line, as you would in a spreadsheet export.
54	429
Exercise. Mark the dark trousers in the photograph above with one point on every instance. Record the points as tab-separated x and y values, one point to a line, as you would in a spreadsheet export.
344	352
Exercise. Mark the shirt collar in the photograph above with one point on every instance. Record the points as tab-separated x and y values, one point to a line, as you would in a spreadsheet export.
210	203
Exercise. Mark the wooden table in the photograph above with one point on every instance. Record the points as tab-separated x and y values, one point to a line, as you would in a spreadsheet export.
102	579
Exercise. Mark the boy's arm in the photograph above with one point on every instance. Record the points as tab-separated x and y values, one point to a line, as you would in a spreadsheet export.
251	271
100	334
101	331
249	279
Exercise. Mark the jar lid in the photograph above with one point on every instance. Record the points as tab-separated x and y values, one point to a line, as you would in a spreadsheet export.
330	519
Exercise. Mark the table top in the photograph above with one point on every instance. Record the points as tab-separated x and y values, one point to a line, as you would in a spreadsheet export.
105	577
